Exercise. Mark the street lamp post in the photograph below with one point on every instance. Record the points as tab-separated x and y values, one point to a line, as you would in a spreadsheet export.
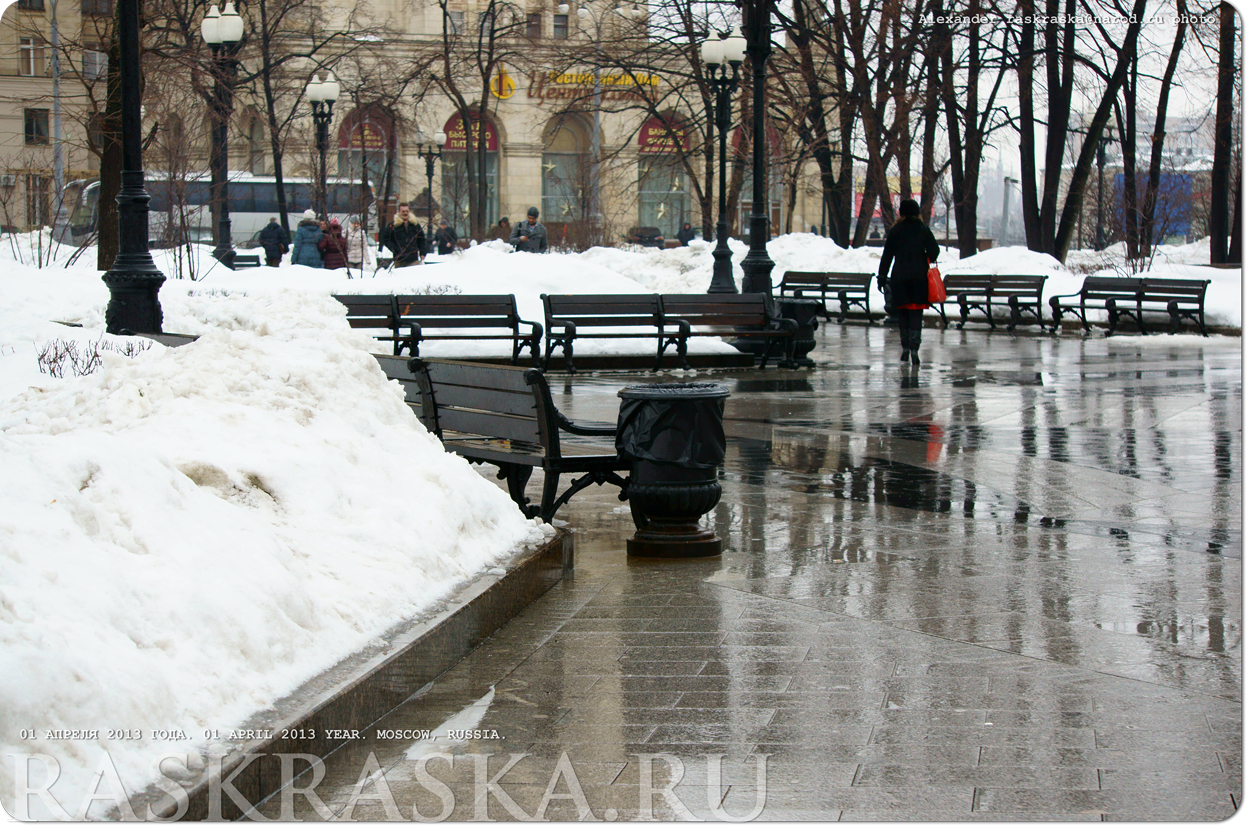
430	153
222	31
596	103
1007	183
716	54
322	95
757	267
1100	236
134	282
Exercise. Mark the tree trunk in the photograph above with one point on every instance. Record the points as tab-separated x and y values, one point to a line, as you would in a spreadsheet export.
1084	163
1151	197
1220	169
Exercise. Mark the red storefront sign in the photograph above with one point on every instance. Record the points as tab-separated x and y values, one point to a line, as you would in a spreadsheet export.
458	140
663	136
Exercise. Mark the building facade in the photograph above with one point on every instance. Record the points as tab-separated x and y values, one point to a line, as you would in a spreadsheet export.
543	104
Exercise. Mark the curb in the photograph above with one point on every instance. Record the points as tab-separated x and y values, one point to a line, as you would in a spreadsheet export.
359	691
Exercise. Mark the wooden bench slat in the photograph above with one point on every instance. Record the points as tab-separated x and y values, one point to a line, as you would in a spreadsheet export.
458	317
849	288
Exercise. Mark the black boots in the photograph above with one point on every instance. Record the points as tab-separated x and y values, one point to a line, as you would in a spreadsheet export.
910	339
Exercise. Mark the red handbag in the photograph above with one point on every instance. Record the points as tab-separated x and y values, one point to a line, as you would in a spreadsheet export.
937	289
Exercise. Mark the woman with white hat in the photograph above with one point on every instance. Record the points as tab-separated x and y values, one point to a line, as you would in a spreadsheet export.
304	251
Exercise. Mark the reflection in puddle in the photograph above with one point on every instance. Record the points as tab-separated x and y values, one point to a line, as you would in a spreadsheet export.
815	468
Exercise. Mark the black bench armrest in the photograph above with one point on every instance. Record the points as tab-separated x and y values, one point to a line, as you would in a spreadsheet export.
567	424
1054	299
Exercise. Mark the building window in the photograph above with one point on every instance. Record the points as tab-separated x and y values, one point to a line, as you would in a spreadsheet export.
97	8
95	63
30	5
36	127
31	59
455	23
663	194
38	200
560	27
534	26
567	173
486	23
256	147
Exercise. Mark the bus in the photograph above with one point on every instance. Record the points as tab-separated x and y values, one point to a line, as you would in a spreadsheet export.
179	211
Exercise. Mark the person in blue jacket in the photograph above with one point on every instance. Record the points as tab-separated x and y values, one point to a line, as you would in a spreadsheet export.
304	251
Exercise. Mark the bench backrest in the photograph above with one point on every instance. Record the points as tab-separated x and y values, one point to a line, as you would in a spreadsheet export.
1182	290
603	310
458	311
804	280
716	310
966	283
1102	288
825	280
369	311
489	400
848	280
1017	284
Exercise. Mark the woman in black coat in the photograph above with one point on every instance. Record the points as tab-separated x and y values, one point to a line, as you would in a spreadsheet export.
909	247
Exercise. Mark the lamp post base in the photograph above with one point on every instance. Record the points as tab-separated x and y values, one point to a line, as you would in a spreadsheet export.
134	304
722	271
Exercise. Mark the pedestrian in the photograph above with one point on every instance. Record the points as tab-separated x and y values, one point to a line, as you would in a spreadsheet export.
445	238
304	251
333	247
358	254
530	235
909	248
502	230
276	242
404	237
686	234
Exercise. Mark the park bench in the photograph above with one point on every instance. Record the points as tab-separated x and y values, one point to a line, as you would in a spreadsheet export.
1022	293
738	316
416	318
569	317
246	261
850	288
505	416
1134	296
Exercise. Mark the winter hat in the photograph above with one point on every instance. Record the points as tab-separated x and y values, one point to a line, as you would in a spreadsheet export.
334	223
310	214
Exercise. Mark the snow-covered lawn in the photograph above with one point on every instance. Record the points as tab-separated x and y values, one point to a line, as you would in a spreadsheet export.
188	534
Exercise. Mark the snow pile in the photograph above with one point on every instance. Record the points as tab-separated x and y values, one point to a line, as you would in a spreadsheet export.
187	535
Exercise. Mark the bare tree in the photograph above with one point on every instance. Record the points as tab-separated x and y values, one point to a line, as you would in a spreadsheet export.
1048	227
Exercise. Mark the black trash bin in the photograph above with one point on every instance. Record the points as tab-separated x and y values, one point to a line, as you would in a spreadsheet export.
673	436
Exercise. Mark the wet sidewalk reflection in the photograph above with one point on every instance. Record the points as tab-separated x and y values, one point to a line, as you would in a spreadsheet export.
1007	586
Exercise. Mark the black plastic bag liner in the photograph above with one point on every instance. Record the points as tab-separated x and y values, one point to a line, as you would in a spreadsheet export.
679	424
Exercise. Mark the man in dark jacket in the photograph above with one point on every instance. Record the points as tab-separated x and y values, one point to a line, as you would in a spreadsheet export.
686	234
909	247
530	235
445	238
276	241
404	237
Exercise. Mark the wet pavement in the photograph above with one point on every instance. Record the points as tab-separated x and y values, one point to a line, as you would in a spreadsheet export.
1006	586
